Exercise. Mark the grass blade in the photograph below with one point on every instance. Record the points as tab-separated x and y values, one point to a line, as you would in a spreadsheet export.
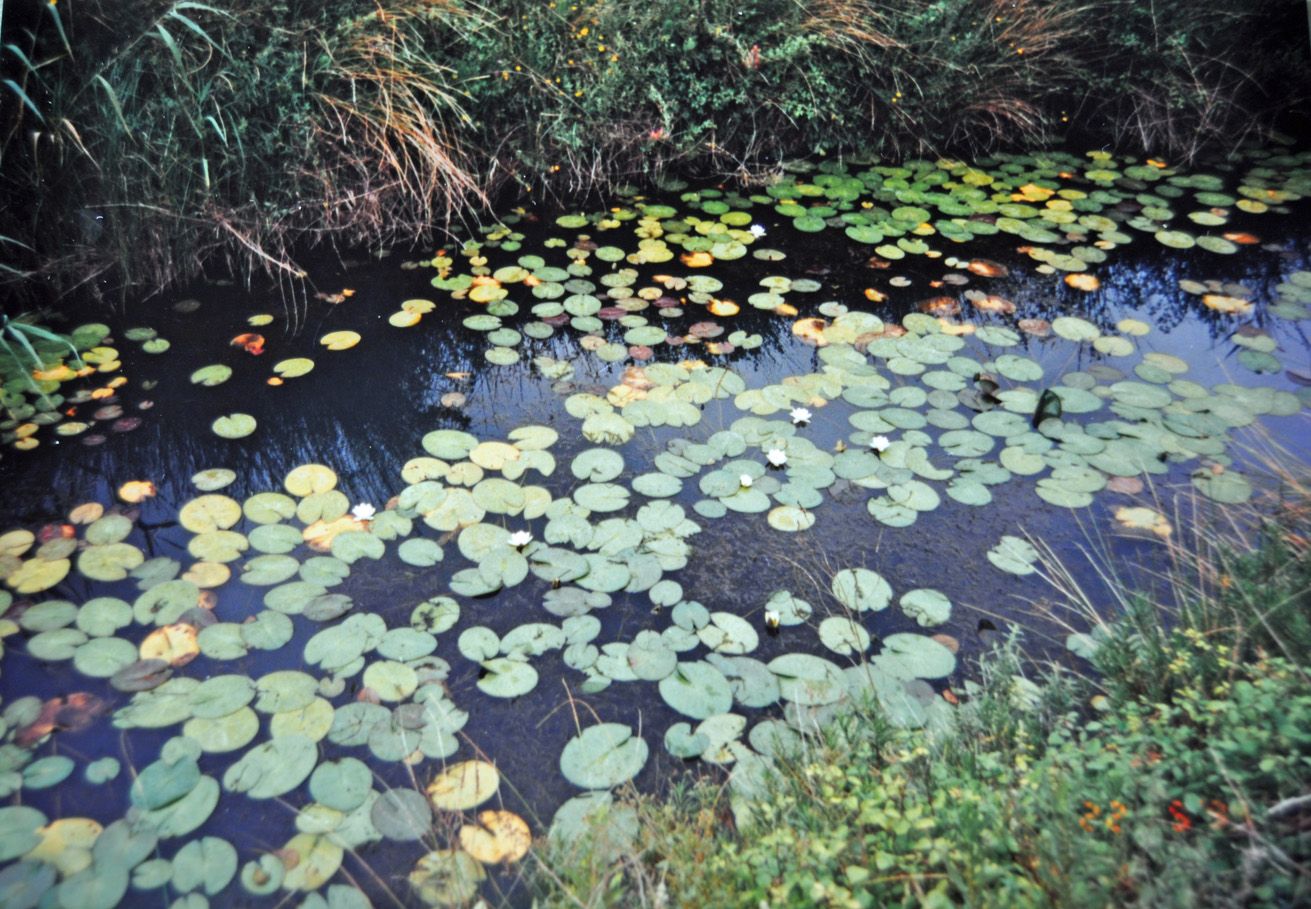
22	329
22	95
14	242
113	102
13	355
26	61
195	27
59	27
172	46
218	129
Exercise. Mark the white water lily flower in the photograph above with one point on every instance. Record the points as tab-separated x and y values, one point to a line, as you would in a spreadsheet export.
772	619
880	443
363	512
777	457
745	480
757	230
800	415
520	538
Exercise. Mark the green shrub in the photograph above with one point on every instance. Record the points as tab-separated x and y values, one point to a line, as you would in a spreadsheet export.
1147	804
247	128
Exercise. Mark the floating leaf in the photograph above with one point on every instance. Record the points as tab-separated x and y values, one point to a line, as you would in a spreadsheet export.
215	374
861	590
603	756
234	426
843	635
697	690
402	814
1014	555
273	768
464	785
500	837
914	656
340	340
293	368
312	860
507	678
447	877
926	606
1222	485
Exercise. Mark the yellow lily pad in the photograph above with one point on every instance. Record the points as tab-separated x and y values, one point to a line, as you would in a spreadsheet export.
340	340
500	837
174	644
16	542
207	575
464	785
209	512
294	367
36	575
309	479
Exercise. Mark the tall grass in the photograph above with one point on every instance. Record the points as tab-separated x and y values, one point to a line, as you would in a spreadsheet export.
1235	574
142	141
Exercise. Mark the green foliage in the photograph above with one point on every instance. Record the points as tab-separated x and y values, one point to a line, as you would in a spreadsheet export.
1249	605
148	135
1034	800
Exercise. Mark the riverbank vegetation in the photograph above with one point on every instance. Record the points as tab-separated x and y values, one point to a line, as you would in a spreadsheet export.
1173	776
146	140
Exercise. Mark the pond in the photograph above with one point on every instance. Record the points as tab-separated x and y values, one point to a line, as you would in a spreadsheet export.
346	596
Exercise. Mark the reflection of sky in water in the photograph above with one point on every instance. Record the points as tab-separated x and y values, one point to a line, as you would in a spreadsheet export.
364	411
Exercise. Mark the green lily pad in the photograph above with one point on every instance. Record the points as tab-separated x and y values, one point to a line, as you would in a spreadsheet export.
273	768
914	656
449	877
507	678
603	756
790	518
208	864
926	606
342	784
1014	555
861	590
697	690
403	815
234	426
807	680
1228	486
215	374
843	635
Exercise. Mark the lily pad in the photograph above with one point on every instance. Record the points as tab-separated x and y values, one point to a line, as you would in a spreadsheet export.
603	756
926	606
697	690
464	785
234	426
861	590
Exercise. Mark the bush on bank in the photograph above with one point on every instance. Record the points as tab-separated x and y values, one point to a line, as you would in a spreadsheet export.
1179	778
145	138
